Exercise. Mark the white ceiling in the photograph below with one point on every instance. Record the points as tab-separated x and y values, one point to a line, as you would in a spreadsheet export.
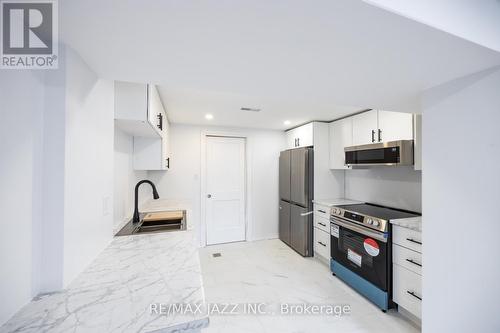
473	20
296	60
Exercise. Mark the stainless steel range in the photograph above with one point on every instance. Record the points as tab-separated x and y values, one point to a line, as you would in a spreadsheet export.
361	248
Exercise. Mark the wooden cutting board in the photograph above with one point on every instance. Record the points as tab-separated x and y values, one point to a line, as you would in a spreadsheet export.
157	216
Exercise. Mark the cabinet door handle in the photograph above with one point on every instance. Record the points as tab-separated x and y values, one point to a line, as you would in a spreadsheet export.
320	243
321	211
298	142
168	162
414	262
373	135
295	142
414	241
413	294
379	135
160	121
324	225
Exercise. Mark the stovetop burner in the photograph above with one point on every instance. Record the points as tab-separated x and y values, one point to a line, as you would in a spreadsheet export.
378	211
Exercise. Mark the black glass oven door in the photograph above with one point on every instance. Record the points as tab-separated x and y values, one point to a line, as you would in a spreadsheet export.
362	254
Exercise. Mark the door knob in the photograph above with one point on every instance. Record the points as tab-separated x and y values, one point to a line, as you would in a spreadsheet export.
209	196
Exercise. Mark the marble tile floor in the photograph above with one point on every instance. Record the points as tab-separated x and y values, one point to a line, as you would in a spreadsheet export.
270	272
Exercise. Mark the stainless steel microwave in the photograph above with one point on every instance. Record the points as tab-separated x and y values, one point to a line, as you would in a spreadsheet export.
391	153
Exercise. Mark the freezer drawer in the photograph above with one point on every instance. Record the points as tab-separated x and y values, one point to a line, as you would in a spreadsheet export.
301	230
284	222
284	178
300	176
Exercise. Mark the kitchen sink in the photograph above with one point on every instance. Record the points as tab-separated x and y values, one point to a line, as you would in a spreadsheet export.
156	222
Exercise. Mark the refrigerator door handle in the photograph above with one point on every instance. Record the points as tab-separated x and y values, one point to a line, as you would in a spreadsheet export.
308	213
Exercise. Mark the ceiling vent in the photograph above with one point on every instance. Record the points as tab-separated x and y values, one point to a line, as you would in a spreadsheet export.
250	109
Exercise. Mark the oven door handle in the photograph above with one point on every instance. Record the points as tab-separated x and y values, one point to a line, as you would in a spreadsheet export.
361	230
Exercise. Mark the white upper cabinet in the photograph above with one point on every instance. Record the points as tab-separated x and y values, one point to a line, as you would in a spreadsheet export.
376	126
302	136
364	128
340	137
140	113
394	126
369	127
136	109
291	138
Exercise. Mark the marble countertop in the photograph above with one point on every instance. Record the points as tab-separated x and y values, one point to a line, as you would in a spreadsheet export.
413	223
123	288
336	202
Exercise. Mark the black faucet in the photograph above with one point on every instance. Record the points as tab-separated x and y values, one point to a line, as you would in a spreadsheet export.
136	209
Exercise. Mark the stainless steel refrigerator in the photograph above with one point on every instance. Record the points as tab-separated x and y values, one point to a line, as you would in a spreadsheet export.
296	195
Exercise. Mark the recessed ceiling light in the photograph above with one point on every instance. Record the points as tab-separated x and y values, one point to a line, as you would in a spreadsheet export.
209	116
287	122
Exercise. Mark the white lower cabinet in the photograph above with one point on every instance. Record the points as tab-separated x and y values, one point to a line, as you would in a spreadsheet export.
409	259
322	244
322	211
407	270
407	291
407	238
321	223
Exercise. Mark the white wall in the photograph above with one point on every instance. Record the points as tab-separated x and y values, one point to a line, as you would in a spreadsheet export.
51	225
125	178
398	187
56	148
88	208
461	195
182	181
21	107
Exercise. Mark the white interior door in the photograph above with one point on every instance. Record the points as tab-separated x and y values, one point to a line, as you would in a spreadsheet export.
225	200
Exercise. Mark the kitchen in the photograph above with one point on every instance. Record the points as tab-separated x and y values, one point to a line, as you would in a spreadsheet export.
138	186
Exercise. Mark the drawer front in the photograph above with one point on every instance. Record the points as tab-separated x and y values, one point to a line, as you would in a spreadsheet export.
322	223
408	238
406	258
322	211
407	288
322	243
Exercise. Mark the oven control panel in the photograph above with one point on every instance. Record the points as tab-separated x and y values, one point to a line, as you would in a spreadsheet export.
368	221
